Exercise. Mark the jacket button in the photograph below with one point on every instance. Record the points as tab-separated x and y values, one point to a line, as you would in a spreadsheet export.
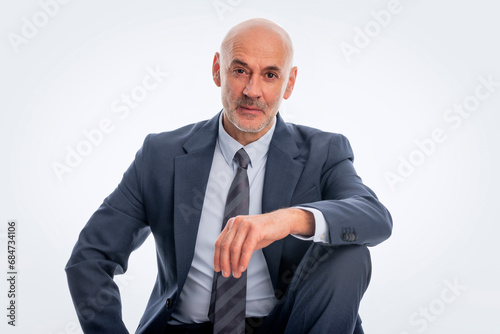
169	302
349	236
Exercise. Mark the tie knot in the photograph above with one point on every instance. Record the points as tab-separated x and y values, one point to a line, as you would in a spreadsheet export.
242	158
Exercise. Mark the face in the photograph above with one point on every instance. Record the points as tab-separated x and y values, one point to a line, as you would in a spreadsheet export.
255	74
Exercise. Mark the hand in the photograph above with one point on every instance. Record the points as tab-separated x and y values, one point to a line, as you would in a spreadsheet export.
245	234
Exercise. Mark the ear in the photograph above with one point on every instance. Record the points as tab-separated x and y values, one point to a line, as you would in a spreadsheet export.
291	83
216	69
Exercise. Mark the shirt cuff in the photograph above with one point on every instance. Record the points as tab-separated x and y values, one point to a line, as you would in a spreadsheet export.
322	233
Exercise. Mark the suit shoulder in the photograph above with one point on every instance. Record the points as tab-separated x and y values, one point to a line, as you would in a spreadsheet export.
169	140
305	135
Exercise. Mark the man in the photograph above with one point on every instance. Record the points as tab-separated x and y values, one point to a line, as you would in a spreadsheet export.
294	242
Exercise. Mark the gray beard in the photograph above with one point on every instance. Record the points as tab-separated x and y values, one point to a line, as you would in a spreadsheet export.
231	117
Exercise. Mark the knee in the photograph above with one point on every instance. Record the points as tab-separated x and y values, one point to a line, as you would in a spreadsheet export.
345	263
353	259
336	276
357	256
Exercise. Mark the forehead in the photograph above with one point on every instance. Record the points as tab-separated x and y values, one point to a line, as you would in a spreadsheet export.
258	47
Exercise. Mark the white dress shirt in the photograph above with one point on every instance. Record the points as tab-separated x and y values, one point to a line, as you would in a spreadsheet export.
194	300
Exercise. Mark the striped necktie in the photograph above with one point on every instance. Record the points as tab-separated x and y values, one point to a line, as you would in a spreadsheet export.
228	300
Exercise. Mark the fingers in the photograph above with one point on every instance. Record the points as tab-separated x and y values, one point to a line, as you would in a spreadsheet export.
234	247
225	245
219	244
246	252
241	243
245	234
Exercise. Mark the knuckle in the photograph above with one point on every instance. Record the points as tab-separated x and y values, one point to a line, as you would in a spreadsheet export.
247	249
233	248
224	246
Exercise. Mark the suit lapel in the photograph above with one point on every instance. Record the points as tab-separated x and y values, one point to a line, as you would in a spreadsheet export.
191	176
282	174
192	170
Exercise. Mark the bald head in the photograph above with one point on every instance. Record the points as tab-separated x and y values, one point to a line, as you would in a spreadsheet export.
264	33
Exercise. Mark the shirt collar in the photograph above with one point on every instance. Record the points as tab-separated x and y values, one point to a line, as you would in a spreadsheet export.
256	150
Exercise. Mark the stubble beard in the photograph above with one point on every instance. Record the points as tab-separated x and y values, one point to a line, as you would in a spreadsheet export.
248	102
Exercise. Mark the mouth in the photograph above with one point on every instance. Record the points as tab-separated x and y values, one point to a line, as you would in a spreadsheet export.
250	109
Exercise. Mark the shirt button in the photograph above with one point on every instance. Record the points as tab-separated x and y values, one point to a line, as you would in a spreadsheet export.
169	302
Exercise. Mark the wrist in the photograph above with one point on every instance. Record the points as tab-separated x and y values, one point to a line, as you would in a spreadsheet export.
301	222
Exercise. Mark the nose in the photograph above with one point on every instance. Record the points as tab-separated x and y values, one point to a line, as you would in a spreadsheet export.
252	88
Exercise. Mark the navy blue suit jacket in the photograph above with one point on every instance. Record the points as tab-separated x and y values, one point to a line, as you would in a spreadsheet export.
162	193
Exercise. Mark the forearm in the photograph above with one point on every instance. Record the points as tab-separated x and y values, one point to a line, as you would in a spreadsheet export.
96	297
301	222
102	250
356	220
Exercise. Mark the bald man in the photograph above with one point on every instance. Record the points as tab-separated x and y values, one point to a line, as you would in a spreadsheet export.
297	250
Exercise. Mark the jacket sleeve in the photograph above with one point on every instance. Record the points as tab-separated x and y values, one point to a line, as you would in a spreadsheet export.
352	211
116	229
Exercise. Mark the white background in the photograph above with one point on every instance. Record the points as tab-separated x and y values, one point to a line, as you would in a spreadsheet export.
62	79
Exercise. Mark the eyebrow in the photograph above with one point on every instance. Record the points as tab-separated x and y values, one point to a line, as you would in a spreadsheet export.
267	68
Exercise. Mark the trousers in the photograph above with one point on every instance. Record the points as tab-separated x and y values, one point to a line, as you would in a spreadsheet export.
323	296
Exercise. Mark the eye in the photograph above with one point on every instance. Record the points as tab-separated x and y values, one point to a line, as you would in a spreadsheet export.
271	75
239	71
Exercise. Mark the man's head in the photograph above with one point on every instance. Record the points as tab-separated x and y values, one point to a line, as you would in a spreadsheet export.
254	70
